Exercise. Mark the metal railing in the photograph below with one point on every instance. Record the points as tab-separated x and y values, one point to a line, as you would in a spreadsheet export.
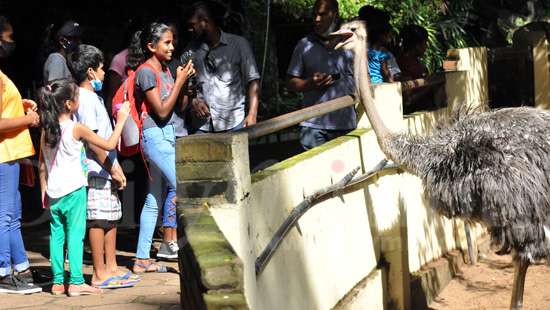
293	118
287	120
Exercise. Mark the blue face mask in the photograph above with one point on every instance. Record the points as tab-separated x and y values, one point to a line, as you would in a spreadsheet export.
97	85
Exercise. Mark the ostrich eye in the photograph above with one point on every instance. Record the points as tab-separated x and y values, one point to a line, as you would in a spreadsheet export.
353	29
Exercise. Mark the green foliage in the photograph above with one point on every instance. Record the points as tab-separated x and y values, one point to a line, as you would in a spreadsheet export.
445	21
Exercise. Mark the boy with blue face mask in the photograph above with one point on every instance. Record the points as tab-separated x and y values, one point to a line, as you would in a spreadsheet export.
105	175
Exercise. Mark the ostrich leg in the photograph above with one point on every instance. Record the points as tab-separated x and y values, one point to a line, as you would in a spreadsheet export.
519	281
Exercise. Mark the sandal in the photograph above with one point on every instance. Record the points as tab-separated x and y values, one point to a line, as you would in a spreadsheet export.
128	276
82	289
150	267
113	282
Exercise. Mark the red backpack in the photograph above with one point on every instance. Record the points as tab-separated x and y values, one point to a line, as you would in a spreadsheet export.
130	140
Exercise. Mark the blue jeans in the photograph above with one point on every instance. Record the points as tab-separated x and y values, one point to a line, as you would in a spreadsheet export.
313	137
159	148
12	249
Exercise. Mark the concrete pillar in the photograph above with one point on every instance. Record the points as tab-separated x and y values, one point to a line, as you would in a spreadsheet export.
389	103
541	64
213	178
468	85
212	169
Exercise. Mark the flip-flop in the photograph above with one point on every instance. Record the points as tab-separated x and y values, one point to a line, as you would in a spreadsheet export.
113	282
147	267
128	276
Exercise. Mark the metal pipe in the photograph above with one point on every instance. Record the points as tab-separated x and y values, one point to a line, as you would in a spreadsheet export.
338	189
293	118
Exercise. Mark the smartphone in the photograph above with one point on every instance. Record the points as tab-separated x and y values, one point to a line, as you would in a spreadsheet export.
335	76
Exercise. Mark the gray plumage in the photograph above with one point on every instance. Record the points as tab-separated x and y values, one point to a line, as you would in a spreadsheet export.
493	168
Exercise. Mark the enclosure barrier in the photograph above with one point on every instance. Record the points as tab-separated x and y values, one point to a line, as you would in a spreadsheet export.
379	246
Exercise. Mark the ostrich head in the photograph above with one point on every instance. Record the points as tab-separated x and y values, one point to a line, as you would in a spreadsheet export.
350	36
353	36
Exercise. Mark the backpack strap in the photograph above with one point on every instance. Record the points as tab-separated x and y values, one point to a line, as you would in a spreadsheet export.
144	108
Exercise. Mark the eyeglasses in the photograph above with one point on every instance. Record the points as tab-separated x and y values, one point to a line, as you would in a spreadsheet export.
209	62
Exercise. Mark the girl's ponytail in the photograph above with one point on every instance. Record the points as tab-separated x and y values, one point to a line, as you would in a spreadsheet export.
136	55
52	99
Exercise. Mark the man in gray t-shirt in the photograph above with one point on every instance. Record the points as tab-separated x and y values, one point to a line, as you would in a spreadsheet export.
226	75
322	74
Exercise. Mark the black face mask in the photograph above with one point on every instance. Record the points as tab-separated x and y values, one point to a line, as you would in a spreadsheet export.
6	48
69	45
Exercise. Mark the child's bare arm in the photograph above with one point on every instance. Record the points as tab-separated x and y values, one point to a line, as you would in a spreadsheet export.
81	132
114	168
101	156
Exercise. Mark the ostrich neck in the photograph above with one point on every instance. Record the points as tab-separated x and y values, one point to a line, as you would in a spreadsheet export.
364	93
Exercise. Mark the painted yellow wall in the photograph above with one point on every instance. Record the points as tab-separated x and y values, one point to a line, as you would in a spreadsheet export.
340	241
334	250
541	64
469	85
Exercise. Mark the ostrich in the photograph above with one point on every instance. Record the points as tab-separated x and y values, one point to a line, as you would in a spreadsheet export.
490	167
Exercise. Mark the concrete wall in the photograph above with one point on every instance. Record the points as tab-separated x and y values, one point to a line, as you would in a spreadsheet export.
468	86
355	251
541	64
342	240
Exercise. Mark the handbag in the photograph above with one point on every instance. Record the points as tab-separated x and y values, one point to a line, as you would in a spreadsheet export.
26	172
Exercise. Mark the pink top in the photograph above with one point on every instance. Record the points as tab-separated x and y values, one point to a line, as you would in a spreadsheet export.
118	64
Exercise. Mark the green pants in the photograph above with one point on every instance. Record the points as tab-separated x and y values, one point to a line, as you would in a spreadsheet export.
68	221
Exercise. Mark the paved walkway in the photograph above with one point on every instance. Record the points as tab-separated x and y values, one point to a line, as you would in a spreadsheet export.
155	291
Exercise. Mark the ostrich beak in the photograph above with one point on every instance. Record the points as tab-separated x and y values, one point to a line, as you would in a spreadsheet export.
340	38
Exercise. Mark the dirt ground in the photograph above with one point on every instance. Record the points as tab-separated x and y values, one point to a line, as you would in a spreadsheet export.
488	285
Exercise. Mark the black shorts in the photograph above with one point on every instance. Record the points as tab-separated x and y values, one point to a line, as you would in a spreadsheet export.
103	224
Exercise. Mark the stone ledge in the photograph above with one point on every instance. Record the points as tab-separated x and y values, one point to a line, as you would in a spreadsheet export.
433	277
427	283
202	188
209	147
263	174
216	301
203	151
212	170
216	268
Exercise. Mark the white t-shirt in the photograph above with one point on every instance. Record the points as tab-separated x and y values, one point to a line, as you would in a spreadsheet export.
67	172
92	113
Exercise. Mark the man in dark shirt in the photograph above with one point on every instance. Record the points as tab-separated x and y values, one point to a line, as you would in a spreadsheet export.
226	69
322	74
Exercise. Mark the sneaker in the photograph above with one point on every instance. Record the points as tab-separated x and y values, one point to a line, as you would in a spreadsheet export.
82	289
58	289
173	246
25	277
12	285
166	252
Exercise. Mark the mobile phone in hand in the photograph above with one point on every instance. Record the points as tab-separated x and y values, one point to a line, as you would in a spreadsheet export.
335	76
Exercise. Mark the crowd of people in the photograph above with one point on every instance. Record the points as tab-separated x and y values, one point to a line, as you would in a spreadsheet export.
212	87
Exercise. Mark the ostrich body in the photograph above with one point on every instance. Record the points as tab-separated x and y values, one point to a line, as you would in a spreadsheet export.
490	167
